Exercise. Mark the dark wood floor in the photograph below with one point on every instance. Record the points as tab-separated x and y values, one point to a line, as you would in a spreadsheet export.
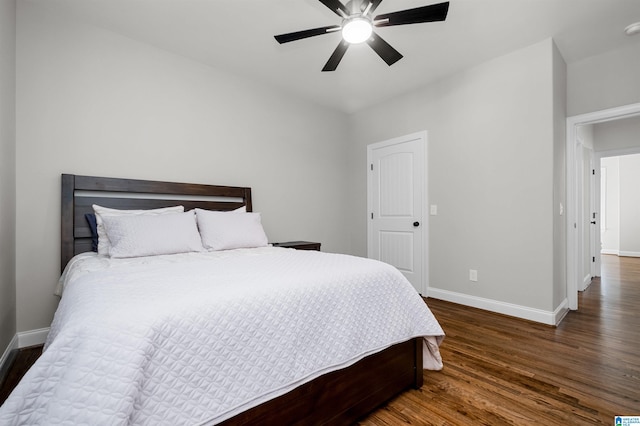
501	370
504	371
22	361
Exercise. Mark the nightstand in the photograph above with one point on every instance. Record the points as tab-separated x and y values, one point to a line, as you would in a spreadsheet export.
299	245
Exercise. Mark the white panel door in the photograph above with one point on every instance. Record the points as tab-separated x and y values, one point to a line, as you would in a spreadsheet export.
396	198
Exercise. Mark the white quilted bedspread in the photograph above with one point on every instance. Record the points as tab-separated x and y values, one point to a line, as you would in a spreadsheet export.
197	338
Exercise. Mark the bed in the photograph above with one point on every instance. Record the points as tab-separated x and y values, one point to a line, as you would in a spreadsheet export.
336	393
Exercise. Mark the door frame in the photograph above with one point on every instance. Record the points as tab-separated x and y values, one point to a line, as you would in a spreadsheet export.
578	175
585	155
574	232
422	137
594	209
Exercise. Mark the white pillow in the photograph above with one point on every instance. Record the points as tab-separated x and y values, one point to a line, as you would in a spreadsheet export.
150	235
103	240
230	230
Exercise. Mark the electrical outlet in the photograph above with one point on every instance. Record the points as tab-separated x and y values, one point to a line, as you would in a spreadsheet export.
473	275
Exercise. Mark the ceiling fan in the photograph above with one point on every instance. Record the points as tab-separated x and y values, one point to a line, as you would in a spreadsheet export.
357	27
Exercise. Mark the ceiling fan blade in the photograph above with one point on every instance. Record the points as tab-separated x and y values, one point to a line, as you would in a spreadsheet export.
431	13
384	49
336	56
374	5
298	35
335	6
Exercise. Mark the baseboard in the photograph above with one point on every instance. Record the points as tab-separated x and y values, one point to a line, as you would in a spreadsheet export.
586	281
561	311
621	253
32	337
7	357
518	311
629	253
21	340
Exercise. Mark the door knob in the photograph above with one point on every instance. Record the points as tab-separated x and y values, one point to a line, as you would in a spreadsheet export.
416	223
593	223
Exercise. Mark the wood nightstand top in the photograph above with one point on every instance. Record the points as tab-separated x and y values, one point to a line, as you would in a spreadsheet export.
299	245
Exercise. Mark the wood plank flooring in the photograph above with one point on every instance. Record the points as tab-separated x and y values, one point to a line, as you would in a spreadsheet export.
505	371
501	370
22	361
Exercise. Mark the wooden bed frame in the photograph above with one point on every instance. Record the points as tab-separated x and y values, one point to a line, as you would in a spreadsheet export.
339	397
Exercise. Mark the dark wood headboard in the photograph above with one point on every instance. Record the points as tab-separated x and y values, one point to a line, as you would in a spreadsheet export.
80	192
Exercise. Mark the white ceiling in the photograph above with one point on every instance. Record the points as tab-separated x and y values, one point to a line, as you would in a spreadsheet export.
237	36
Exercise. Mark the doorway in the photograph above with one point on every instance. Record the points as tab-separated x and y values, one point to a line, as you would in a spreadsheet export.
620	202
396	199
576	234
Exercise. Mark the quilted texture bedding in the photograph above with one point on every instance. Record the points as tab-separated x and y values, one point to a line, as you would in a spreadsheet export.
197	338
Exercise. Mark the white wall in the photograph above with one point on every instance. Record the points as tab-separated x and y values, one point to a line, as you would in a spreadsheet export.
7	173
622	202
617	134
630	205
604	81
559	177
93	102
492	173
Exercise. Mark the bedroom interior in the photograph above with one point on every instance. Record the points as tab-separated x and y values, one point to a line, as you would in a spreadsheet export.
82	84
175	283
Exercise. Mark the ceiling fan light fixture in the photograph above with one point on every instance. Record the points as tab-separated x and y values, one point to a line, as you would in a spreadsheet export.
358	20
356	30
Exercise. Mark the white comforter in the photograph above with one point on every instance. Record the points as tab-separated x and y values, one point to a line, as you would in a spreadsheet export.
197	338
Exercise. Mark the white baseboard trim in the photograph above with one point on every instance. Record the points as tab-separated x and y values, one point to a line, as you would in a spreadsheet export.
32	337
610	251
518	311
629	253
561	311
585	282
23	340
13	344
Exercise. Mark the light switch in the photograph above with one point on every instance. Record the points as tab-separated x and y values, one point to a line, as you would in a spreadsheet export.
433	210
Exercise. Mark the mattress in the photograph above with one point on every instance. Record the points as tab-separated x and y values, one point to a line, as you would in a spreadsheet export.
196	338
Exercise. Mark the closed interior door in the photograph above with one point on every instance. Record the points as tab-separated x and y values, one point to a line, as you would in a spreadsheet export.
396	196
